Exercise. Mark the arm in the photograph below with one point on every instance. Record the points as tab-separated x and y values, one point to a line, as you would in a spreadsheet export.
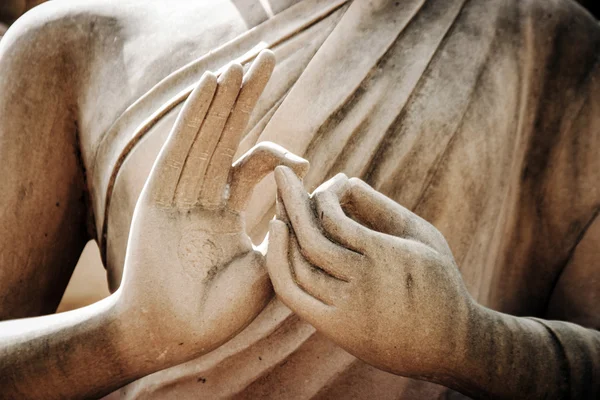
382	283
43	212
85	353
43	215
512	357
192	278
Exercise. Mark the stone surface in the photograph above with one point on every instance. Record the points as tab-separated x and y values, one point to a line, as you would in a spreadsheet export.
480	117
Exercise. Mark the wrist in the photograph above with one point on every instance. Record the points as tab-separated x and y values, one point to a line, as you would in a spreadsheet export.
83	353
145	349
468	339
153	337
500	355
477	348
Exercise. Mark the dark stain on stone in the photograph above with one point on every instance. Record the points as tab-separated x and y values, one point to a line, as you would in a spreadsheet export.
409	281
22	193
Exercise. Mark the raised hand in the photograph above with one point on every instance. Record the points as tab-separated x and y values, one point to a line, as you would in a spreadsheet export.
368	273
192	276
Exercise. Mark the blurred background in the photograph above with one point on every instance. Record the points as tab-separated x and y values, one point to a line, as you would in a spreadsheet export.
10	10
88	283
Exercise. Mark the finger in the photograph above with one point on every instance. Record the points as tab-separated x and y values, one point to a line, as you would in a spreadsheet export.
280	212
339	185
373	208
315	281
218	169
254	165
339	226
281	275
380	213
203	146
168	166
318	250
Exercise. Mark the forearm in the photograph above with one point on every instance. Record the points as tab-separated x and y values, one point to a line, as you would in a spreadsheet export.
84	353
513	357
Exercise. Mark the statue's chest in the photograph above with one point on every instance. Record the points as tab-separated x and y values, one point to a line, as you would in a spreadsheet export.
433	124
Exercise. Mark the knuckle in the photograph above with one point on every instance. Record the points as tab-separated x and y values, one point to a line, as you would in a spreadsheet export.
354	186
342	176
173	164
194	121
227	153
245	109
358	185
354	181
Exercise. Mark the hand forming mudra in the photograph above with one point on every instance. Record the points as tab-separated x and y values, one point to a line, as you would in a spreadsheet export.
190	266
374	277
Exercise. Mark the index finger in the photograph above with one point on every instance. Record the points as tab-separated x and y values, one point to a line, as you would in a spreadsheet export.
336	260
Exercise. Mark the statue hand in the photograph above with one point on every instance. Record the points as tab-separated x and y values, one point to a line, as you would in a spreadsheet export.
368	273
192	276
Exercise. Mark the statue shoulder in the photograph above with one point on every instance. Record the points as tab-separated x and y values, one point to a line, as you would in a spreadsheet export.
60	41
52	21
65	31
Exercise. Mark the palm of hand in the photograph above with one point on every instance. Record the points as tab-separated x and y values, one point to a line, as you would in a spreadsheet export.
191	269
203	241
198	274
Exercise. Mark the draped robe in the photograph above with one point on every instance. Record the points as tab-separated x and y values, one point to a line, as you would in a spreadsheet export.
480	116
